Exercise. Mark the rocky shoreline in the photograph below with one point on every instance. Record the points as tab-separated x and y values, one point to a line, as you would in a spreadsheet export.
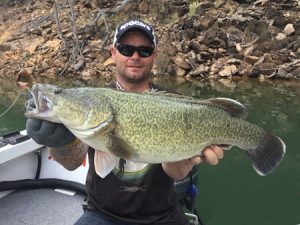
204	40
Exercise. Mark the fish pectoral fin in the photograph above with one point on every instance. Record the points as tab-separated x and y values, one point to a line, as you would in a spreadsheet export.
233	107
104	163
103	128
120	147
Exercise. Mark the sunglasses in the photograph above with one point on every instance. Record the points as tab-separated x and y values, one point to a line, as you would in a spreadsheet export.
128	50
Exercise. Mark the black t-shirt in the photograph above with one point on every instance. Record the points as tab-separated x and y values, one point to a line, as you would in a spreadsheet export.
144	194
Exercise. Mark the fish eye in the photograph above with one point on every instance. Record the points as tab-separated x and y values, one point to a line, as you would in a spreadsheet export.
58	91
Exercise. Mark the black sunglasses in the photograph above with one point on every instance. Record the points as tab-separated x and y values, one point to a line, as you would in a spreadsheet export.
128	50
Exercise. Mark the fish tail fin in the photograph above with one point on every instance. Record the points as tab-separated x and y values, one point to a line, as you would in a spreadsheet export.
269	153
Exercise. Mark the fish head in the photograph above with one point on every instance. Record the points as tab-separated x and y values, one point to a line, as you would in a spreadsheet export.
75	108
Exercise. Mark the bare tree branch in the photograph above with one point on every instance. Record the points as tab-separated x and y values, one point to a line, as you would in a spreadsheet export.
101	13
74	26
119	7
59	31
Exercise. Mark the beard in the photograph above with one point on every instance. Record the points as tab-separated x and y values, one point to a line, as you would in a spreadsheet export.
134	79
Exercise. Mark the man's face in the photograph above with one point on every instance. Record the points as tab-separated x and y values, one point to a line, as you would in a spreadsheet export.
133	69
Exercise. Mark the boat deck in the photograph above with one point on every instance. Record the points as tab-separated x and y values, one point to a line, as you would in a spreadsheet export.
27	168
40	207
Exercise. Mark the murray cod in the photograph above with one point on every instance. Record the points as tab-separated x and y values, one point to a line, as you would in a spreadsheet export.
153	127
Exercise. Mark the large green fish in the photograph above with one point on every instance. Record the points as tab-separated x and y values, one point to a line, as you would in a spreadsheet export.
154	127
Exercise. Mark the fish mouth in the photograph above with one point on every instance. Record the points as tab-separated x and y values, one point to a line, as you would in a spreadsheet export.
38	105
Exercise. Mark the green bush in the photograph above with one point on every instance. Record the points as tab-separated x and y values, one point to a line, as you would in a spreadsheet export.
3	1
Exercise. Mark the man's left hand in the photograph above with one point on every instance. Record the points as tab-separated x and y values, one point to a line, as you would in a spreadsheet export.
179	170
211	155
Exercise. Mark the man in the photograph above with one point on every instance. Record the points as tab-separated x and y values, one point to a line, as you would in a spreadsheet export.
143	194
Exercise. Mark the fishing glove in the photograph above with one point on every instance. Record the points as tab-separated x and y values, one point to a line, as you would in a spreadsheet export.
48	133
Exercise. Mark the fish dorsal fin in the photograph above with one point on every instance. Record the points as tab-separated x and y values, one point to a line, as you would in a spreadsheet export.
104	162
174	97
233	107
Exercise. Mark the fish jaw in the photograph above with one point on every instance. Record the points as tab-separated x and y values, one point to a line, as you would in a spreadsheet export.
40	106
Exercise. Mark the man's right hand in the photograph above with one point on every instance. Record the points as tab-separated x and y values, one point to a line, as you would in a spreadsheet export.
48	133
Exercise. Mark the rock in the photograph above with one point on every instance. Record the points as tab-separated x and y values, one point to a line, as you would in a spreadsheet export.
144	7
281	36
206	21
36	31
262	2
204	56
238	47
251	59
296	72
282	73
204	7
228	71
5	47
180	62
289	29
180	72
100	67
29	70
187	34
234	61
46	32
108	62
34	44
53	44
202	71
215	38
162	63
253	72
248	51
169	49
268	68
86	75
177	46
245	69
45	65
198	47
234	35
171	69
78	65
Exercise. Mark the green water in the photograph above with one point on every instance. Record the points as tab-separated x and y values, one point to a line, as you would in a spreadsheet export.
232	193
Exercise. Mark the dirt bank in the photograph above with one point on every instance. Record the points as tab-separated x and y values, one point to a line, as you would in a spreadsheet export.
206	40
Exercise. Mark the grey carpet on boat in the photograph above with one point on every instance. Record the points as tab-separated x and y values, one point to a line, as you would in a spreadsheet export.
40	207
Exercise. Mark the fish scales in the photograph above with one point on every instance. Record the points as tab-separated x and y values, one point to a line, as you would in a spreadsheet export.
139	117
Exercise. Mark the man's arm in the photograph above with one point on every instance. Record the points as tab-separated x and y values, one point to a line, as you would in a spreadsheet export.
179	170
70	156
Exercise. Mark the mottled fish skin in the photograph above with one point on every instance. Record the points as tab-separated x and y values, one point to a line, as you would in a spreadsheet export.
154	127
169	130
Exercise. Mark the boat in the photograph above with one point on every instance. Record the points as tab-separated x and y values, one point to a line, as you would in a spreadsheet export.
36	190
